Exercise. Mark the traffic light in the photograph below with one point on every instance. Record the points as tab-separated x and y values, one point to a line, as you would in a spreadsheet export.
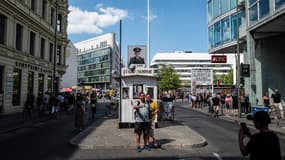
245	70
242	81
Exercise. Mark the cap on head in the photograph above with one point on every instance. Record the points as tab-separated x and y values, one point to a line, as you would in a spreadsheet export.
262	117
137	49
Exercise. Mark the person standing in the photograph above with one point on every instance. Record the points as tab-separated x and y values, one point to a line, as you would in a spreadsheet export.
276	99
79	112
263	145
142	125
154	110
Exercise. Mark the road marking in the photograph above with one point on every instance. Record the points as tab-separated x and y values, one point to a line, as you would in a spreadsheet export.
217	156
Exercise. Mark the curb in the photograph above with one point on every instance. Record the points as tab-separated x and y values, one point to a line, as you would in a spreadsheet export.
250	125
74	141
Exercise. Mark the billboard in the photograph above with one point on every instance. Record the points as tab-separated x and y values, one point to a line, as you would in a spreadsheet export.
202	77
136	54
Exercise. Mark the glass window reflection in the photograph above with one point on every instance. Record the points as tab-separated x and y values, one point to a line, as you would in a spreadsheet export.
226	29
253	14
263	8
216	8
225	5
279	3
217	33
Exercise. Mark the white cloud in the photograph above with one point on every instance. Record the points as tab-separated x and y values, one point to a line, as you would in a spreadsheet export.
83	21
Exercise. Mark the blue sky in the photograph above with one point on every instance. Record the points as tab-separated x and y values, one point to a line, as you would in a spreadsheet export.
175	24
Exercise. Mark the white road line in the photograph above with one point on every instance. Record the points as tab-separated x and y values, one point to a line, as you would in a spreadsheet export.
217	156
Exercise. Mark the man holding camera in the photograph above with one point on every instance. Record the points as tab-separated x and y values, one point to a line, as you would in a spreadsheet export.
263	145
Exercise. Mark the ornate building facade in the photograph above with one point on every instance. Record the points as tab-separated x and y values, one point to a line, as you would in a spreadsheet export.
30	33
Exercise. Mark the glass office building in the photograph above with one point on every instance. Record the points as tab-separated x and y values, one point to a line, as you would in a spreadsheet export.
222	25
98	62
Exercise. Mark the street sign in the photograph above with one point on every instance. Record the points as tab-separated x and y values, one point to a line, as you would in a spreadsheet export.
219	59
245	70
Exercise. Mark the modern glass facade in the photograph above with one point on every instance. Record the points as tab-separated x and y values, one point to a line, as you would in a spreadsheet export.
223	30
94	67
258	9
279	3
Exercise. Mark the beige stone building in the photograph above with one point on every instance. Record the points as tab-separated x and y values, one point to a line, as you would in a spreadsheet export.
30	32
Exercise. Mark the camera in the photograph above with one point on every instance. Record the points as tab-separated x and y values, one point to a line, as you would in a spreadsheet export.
245	129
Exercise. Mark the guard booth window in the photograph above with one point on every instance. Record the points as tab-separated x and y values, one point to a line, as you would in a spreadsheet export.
137	89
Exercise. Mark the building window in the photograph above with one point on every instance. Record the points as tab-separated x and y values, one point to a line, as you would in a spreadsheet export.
279	3
17	77
59	23
41	83
216	8
226	30
1	79
263	8
19	37
43	48
50	52
64	55
32	43
233	4
3	23
49	83
217	33
210	10
225	4
30	82
44	9
253	15
58	54
33	5
52	16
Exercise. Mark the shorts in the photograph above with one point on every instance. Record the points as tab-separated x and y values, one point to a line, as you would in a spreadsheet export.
278	106
142	127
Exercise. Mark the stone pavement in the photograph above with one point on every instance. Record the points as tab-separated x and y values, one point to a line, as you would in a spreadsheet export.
105	134
277	126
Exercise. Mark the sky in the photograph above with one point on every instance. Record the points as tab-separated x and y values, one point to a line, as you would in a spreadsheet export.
176	25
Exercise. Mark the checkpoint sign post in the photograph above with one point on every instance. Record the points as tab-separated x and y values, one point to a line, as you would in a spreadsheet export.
202	77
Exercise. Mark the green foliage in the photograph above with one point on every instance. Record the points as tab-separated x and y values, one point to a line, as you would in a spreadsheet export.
168	79
225	79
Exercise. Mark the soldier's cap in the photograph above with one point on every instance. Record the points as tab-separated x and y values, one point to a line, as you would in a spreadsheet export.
137	49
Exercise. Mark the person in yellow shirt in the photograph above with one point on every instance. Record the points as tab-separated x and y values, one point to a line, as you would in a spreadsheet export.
153	113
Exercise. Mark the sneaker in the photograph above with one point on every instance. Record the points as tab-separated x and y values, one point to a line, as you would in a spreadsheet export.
146	147
139	149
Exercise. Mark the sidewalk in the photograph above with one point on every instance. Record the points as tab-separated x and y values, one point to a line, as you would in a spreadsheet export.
274	126
105	134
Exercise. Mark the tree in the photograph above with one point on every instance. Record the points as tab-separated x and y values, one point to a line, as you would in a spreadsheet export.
215	78
168	79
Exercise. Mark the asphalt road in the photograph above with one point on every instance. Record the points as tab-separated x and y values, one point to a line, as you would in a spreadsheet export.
221	135
50	141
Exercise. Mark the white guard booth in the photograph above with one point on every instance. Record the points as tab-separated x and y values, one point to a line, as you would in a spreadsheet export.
134	82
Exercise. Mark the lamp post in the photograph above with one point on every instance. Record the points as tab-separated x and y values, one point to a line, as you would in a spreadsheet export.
55	49
238	61
120	102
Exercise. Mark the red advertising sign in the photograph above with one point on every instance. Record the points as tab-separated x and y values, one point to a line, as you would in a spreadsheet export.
219	59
